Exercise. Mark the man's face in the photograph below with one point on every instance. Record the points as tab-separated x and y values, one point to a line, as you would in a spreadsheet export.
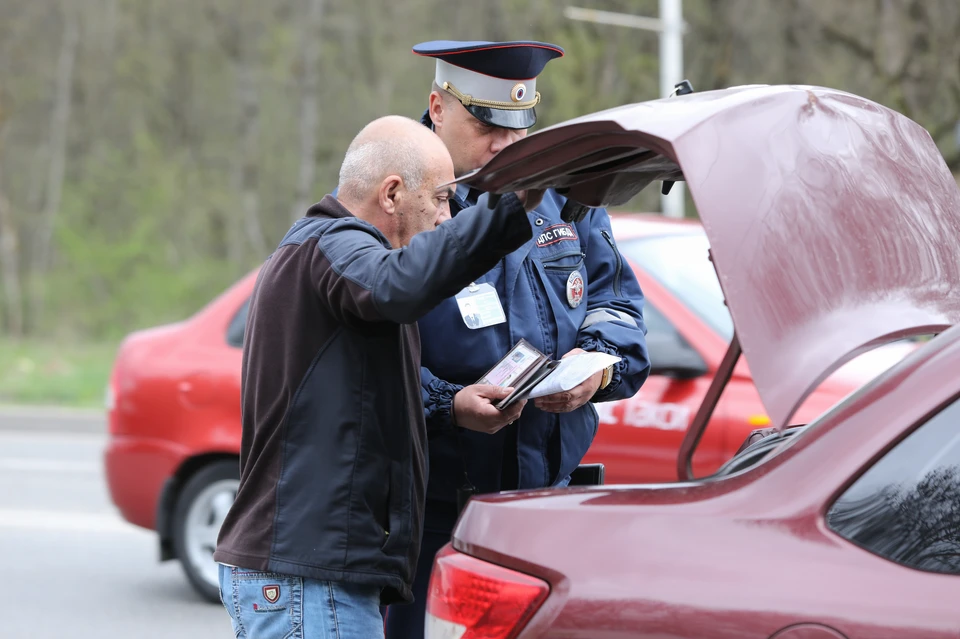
429	206
472	143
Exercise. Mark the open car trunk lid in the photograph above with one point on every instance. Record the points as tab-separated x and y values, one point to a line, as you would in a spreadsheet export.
834	222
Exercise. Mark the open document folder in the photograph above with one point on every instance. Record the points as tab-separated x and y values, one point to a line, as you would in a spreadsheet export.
533	374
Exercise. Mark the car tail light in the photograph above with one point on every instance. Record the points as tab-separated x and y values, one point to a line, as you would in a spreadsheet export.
472	599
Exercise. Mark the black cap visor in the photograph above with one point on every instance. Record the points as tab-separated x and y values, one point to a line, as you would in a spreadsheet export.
507	119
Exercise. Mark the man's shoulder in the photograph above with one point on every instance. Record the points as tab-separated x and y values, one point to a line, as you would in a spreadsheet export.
348	229
304	229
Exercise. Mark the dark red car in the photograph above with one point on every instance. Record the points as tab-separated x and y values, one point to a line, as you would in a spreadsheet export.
834	227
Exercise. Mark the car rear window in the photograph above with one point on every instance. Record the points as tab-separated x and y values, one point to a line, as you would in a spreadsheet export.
680	263
238	325
906	507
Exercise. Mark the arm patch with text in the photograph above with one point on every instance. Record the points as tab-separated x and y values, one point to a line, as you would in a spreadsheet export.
556	233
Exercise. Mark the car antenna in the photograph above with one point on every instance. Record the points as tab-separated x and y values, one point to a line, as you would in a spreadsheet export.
681	88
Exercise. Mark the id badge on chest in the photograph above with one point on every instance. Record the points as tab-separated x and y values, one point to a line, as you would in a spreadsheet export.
480	306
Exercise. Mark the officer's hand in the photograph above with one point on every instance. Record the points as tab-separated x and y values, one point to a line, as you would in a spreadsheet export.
530	198
566	401
473	408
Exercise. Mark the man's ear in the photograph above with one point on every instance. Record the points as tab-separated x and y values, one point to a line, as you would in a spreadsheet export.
436	109
390	193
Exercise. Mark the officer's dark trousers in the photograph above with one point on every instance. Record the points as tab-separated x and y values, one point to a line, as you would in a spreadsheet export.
440	517
406	621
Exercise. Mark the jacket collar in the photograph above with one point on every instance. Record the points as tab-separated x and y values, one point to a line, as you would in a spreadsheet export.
425	120
330	207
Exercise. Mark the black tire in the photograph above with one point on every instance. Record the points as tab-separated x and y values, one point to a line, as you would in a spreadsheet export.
217	474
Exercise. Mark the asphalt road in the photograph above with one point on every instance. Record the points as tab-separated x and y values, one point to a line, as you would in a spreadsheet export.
71	567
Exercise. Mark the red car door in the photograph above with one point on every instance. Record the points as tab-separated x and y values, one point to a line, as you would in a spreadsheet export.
639	437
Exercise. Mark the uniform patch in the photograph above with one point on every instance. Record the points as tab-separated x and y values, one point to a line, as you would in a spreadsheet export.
271	593
556	233
574	289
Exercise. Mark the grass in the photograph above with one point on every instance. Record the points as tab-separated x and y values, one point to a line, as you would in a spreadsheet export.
52	373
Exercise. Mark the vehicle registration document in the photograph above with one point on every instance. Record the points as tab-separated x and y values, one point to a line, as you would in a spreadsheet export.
533	374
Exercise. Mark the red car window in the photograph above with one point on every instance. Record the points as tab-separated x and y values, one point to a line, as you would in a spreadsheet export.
238	326
680	263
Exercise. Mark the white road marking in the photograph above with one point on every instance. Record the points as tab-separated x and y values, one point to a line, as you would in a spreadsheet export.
29	464
40	437
48	412
66	521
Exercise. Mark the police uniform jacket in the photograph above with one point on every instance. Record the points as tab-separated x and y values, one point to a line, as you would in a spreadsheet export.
540	449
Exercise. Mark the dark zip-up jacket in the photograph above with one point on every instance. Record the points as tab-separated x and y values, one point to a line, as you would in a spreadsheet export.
332	458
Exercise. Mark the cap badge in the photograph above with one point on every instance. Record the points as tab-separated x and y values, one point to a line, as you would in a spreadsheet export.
519	92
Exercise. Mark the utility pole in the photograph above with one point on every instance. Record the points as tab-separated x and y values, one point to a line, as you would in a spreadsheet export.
670	27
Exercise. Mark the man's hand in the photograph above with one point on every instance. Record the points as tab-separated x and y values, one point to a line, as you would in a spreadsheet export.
530	198
574	398
473	408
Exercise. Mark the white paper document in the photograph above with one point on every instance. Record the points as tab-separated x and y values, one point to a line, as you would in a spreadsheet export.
571	372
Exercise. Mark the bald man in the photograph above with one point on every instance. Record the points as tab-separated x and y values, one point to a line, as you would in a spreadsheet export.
326	523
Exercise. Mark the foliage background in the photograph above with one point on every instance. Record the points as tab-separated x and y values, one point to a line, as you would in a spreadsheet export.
152	151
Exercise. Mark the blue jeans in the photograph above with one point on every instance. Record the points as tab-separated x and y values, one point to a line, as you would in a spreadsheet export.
266	605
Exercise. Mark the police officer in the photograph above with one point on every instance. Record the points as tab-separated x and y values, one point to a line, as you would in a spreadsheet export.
568	289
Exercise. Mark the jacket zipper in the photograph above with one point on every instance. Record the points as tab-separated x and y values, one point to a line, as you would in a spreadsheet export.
616	254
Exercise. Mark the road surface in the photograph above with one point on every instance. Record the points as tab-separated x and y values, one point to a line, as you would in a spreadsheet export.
71	566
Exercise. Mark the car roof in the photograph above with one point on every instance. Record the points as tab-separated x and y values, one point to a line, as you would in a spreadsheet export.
628	225
832	219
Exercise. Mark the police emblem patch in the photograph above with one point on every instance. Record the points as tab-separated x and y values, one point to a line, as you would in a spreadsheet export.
518	92
574	289
271	593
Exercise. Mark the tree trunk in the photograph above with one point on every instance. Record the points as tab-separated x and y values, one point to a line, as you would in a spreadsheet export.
247	168
59	127
609	73
9	257
108	48
890	46
9	263
109	33
309	107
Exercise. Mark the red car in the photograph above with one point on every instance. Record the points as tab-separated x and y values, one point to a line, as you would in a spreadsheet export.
688	331
833	224
174	417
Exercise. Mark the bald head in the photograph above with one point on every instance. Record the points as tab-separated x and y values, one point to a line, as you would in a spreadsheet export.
391	145
390	176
